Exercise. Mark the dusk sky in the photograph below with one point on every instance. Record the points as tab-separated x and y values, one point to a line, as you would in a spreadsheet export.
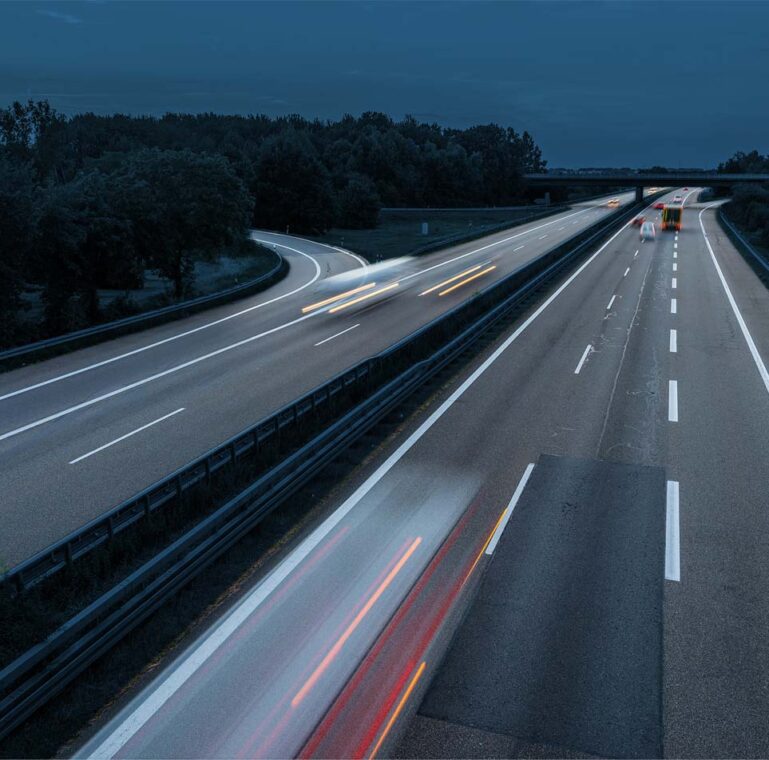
597	84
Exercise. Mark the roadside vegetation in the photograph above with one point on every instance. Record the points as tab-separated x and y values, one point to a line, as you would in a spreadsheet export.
90	203
749	207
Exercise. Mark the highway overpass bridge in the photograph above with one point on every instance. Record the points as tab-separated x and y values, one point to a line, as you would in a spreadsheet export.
641	180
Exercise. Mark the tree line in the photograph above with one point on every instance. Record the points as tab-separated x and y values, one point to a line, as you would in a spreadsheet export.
749	207
89	202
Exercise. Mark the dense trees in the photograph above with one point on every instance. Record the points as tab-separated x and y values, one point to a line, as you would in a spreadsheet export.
749	206
91	202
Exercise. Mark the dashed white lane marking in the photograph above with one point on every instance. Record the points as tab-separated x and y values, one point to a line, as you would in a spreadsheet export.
127	435
673	341
675	267
675	246
672	534
509	511
326	340
759	362
582	360
673	401
561	228
200	652
608	305
542	237
675	254
626	271
674	283
673	306
521	246
635	255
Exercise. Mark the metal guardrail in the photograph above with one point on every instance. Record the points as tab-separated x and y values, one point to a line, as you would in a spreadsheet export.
41	672
140	321
742	244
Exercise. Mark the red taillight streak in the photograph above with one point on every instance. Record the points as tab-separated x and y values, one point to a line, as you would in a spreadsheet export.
341	702
281	705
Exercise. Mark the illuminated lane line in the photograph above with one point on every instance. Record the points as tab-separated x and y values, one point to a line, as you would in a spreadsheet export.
334	299
398	709
673	401
469	279
583	358
356	621
674	341
326	340
172	337
365	297
673	306
451	279
508	513
127	435
147	704
489	245
672	533
611	301
759	362
151	378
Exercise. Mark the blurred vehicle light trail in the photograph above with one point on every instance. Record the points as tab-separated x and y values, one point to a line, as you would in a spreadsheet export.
469	279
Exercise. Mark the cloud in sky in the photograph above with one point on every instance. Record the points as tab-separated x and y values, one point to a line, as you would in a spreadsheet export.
63	17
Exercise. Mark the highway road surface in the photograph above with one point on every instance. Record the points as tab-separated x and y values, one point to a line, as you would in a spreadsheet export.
649	357
82	432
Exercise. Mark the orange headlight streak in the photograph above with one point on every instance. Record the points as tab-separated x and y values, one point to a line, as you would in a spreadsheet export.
398	709
451	279
334	299
363	298
342	640
468	279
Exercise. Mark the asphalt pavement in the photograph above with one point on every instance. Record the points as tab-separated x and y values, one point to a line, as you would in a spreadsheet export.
646	362
82	432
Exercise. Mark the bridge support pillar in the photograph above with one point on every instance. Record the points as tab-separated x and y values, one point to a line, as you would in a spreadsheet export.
639	194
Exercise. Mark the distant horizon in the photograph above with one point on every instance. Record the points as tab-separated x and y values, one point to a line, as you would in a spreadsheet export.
589	83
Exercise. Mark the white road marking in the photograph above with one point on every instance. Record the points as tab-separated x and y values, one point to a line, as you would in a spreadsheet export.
147	706
626	271
675	246
675	267
355	256
674	283
127	435
673	306
178	335
561	228
489	245
673	401
542	237
759	362
326	340
635	254
519	247
673	341
672	534
611	301
582	359
509	511
151	378
675	254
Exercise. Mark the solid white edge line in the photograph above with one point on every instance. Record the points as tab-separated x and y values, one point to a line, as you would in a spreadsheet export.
672	533
737	313
199	653
509	510
326	340
673	341
673	306
127	435
582	360
611	301
673	401
149	379
171	338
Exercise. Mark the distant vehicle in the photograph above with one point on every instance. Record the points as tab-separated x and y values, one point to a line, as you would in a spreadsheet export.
671	217
638	221
647	231
659	205
613	203
678	199
686	189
